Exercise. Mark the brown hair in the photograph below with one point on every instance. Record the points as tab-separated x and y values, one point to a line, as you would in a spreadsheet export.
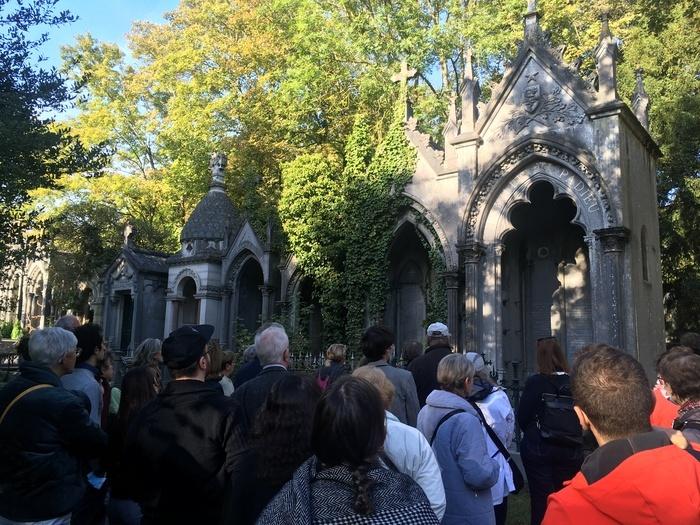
681	371
216	355
550	356
611	387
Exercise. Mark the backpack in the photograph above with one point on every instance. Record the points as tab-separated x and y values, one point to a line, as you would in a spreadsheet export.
557	422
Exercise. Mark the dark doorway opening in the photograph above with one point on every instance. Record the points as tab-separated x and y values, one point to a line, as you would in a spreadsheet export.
249	308
545	278
409	266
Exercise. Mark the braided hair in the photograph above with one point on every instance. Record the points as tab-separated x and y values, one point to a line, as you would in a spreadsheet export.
349	429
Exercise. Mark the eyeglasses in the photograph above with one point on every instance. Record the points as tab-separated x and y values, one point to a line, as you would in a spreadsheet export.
549	337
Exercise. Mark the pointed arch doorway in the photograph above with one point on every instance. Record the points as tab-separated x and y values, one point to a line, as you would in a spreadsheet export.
545	287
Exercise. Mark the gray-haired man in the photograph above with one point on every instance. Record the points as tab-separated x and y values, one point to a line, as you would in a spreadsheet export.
45	432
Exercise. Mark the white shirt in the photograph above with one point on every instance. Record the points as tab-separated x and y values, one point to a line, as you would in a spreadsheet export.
227	385
499	416
410	452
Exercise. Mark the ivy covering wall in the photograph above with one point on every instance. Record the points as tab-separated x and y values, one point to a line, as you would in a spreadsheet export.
339	217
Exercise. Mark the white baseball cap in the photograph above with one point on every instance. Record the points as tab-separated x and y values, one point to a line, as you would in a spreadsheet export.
477	359
438	329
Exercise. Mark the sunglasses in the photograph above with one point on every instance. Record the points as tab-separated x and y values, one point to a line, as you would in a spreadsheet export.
548	338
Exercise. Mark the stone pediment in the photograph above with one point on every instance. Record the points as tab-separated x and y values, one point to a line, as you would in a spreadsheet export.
539	95
122	270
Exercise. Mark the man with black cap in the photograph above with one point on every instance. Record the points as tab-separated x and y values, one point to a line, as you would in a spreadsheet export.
424	368
181	445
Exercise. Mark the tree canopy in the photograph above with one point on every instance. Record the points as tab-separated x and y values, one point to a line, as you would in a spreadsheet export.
281	86
34	149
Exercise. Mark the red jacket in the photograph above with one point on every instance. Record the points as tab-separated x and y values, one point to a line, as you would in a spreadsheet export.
664	411
660	486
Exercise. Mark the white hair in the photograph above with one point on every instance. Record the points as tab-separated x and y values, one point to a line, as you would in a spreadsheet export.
271	344
48	346
68	322
249	354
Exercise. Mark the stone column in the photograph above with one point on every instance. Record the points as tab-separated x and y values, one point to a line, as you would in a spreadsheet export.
172	311
471	254
136	320
115	324
266	293
226	317
497	358
452	289
613	241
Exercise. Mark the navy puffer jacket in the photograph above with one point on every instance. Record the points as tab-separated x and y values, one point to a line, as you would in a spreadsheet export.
43	439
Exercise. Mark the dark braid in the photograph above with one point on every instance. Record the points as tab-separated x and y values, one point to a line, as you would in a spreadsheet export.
362	484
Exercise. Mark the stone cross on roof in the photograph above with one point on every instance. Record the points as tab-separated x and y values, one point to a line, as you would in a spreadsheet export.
402	78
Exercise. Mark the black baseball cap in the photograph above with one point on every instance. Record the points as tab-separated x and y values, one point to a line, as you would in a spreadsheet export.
185	345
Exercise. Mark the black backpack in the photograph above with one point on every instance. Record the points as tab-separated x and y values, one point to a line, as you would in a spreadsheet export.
557	422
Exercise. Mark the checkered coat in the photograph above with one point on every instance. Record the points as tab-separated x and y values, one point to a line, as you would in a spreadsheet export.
326	497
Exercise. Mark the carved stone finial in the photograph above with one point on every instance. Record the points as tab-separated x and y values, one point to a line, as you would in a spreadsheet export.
606	63
217	165
604	27
402	78
640	100
468	66
469	92
451	128
532	22
130	232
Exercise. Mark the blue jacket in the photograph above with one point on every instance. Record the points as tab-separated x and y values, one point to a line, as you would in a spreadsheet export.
468	473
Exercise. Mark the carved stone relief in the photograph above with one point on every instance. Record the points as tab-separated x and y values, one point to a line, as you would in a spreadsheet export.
507	165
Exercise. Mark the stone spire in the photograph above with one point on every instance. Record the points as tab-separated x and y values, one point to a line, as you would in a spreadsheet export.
217	165
402	78
470	94
532	22
640	100
606	63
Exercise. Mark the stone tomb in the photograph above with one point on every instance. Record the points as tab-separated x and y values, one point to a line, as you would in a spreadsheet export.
542	207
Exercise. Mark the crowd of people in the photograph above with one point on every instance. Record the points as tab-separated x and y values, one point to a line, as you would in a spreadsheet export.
180	441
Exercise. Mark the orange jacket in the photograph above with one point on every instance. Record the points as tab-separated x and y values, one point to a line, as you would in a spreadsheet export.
660	486
664	411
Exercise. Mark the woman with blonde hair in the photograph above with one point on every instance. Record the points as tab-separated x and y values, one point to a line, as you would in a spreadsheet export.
453	427
334	366
405	448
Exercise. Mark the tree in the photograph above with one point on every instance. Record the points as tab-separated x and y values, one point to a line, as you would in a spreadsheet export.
33	150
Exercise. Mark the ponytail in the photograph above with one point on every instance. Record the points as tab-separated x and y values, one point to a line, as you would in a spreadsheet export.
362	484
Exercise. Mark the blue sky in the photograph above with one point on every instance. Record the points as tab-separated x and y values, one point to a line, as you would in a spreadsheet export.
106	20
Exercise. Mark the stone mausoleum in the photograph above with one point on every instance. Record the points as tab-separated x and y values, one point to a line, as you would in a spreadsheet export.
543	202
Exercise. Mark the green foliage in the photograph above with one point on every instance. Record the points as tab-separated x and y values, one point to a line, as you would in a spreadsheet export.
16	331
6	329
33	150
277	85
85	219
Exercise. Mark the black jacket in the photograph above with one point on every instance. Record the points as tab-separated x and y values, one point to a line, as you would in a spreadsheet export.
252	394
424	370
248	371
179	450
247	494
43	439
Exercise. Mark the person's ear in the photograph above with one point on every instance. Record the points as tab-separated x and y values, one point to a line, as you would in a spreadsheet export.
582	418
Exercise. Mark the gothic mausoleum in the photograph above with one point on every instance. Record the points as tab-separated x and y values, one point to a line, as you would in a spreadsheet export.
542	204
